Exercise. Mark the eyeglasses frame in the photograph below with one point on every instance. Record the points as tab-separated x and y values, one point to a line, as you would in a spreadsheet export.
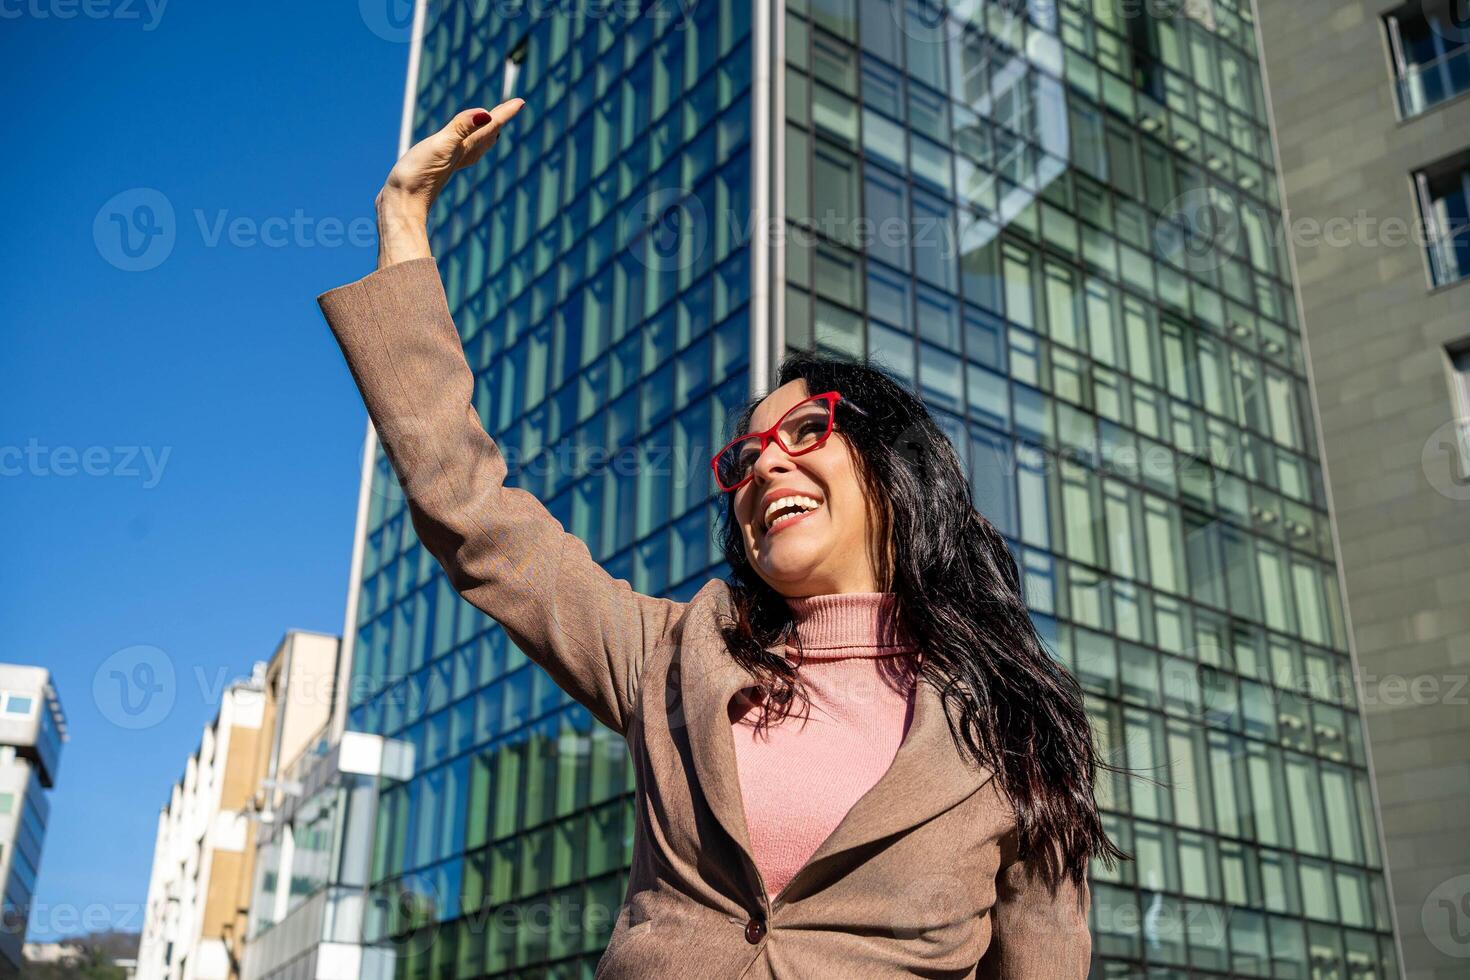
773	434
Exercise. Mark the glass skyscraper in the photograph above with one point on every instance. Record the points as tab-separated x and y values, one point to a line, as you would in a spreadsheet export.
1018	207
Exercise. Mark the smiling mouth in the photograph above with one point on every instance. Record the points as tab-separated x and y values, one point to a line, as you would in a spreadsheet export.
787	521
789	509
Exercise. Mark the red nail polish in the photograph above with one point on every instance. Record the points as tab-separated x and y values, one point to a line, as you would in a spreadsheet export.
481	118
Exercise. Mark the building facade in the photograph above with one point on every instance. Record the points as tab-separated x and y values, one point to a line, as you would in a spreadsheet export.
195	923
1374	129
199	852
32	733
313	862
1000	202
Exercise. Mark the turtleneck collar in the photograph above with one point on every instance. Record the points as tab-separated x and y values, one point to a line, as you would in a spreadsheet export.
849	624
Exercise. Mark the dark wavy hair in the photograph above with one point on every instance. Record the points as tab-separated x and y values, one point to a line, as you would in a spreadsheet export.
1021	713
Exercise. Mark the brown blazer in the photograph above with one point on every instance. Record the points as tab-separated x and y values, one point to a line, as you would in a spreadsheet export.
919	879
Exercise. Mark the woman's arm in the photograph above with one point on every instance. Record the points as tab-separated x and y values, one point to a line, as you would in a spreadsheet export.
500	547
1037	932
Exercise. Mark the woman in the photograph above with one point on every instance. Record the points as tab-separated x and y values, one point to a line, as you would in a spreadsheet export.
853	759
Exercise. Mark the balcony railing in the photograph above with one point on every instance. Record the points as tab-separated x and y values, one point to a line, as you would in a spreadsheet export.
1422	87
332	914
1449	256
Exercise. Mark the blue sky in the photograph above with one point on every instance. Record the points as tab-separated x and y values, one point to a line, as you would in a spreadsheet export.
180	445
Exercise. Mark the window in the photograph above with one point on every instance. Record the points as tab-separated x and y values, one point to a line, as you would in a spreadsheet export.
1431	54
513	63
18	704
1460	392
1444	206
1144	35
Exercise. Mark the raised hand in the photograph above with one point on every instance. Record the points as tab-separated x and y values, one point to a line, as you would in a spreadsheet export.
417	178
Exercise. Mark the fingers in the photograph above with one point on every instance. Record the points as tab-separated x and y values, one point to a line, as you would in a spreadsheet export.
464	124
487	126
421	173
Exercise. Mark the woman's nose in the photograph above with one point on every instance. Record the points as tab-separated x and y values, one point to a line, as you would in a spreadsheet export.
771	461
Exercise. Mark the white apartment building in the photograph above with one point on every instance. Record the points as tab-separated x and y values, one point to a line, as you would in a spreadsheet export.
199	891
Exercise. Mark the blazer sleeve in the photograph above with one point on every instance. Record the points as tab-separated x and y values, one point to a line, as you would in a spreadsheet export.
500	547
1037	933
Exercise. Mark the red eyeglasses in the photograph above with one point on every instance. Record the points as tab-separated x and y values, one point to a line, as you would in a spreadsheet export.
804	427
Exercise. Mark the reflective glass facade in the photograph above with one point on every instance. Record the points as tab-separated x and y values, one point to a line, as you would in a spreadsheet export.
1003	205
602	294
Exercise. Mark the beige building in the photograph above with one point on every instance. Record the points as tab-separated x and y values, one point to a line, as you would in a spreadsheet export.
1372	111
199	891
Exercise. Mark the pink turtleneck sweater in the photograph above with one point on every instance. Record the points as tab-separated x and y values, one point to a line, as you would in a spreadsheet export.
798	779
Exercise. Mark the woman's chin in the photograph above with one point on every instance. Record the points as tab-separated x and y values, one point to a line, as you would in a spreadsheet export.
790	564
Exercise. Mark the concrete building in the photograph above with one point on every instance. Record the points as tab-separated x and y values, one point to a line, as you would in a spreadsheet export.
195	923
32	732
1000	202
314	848
1373	122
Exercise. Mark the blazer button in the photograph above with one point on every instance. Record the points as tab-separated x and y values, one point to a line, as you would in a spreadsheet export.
754	930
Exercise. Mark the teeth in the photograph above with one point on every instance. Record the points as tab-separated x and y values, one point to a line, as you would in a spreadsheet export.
801	505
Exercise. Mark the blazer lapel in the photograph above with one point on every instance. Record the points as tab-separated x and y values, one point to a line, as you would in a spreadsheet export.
929	774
